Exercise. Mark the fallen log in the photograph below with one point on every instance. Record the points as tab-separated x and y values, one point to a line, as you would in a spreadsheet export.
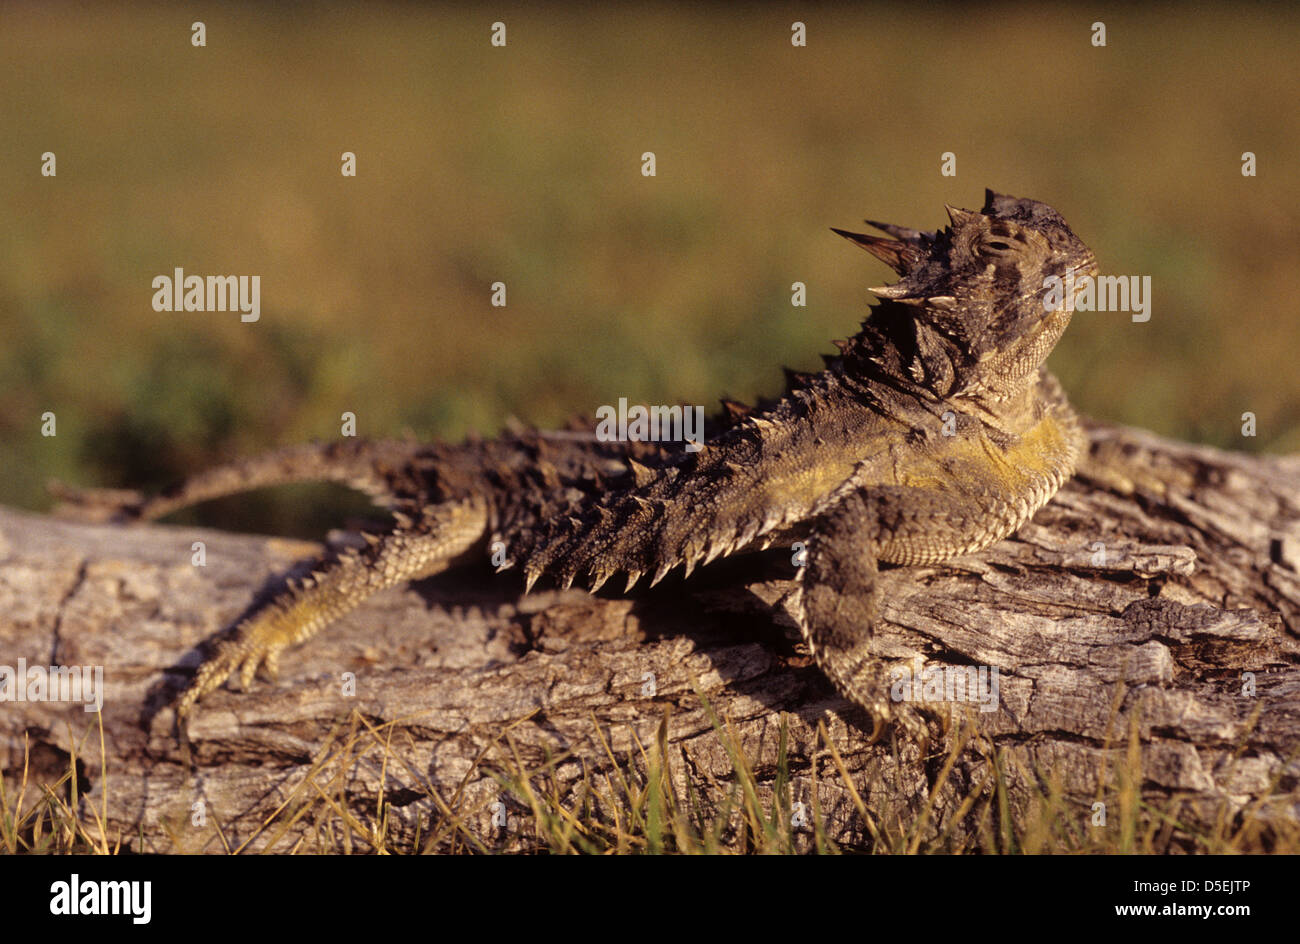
1143	628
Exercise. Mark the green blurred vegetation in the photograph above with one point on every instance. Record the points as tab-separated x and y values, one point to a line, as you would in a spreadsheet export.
522	164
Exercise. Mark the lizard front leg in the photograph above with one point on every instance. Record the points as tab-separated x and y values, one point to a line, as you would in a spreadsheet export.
417	548
839	606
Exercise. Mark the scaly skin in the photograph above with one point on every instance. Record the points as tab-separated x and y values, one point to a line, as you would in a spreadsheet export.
935	432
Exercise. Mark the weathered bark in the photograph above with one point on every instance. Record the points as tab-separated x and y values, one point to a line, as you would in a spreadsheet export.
1136	604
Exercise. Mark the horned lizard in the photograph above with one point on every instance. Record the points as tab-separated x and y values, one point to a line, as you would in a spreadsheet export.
935	431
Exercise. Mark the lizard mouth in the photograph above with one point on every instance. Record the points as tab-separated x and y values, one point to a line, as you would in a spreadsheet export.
1085	270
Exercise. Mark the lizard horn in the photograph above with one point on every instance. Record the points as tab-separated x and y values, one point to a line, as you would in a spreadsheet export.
899	256
905	233
958	215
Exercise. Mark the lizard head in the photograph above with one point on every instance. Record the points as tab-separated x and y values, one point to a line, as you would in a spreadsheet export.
972	313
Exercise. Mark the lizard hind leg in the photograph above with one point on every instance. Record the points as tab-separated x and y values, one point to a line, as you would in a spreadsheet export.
442	537
838	612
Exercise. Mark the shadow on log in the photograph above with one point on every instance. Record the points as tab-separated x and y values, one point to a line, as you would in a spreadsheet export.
1143	628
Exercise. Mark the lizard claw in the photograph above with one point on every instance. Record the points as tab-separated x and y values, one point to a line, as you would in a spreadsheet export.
255	643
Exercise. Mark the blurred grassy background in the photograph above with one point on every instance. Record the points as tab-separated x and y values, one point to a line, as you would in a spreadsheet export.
522	164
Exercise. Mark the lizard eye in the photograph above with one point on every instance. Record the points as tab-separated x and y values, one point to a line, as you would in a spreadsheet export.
997	246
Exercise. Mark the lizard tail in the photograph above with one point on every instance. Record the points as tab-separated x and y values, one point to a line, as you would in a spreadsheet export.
350	462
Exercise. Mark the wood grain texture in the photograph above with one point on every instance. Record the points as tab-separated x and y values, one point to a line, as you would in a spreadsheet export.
1137	600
